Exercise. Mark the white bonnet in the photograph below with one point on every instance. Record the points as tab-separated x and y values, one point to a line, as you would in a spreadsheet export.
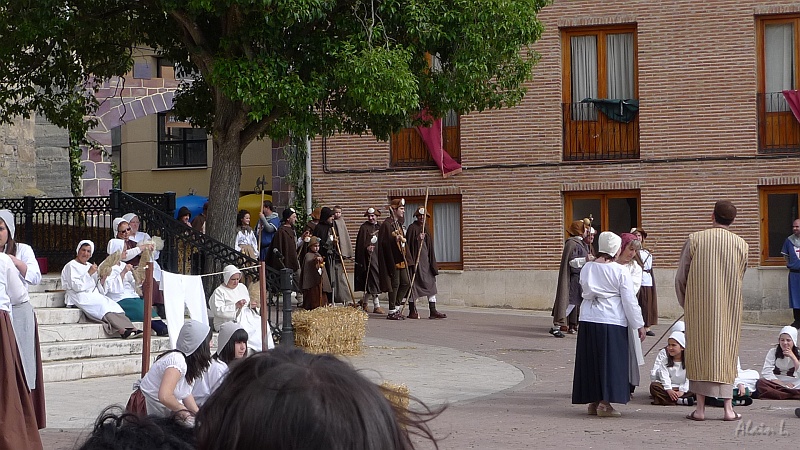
82	243
229	271
679	337
608	243
8	218
191	336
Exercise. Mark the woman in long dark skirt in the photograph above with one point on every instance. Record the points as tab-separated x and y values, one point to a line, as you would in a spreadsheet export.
609	307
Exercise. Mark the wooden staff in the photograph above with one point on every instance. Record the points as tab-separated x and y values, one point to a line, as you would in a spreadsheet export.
665	333
260	182
341	258
147	290
419	251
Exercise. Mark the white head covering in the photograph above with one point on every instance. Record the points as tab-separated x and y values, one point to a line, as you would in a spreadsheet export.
679	326
226	330
608	243
115	224
128	217
115	245
791	331
679	337
229	271
82	243
8	218
192	334
592	230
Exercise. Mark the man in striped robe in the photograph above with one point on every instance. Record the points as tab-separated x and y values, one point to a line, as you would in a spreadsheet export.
708	284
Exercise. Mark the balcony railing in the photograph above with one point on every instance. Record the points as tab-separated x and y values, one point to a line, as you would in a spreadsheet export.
778	129
408	150
591	134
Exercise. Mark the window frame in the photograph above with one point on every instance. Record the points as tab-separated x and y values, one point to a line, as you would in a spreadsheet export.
161	130
407	143
763	212
432	200
603	196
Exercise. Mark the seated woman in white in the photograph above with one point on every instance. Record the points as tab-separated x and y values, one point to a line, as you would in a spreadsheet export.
229	298
79	279
668	382
231	346
167	387
120	287
780	377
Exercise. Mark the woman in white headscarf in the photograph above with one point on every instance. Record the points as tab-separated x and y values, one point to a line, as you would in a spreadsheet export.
230	297
26	329
608	309
167	386
133	254
120	286
231	346
780	376
80	279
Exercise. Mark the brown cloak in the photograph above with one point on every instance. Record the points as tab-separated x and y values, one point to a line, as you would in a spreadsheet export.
426	268
285	241
362	255
388	253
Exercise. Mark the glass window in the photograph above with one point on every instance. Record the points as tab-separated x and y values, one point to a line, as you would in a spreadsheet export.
779	208
179	144
616	211
445	223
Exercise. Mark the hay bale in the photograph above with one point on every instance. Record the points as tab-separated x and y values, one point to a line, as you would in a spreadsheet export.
339	331
397	394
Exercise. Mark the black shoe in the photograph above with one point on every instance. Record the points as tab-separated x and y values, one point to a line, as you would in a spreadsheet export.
556	332
797	412
716	402
650	333
742	401
127	334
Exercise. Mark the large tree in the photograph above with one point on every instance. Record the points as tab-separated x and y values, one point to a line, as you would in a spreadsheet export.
271	67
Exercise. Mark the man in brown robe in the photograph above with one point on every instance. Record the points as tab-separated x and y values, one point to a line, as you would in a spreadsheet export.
366	267
391	254
313	277
708	284
285	242
568	290
420	242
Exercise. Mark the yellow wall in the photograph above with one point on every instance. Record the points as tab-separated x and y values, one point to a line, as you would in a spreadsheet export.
140	172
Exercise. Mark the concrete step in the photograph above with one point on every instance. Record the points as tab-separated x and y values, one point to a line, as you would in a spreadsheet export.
93	368
48	283
99	348
51	299
57	316
74	332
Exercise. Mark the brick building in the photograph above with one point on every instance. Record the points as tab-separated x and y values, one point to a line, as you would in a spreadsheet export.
711	124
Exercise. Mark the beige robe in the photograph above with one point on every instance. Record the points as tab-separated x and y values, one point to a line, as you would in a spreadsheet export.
708	284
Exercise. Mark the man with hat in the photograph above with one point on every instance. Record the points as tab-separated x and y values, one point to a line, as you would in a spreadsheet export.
708	284
425	270
283	249
392	257
791	253
647	293
568	291
366	268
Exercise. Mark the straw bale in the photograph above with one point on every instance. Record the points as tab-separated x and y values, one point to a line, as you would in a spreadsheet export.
339	331
397	394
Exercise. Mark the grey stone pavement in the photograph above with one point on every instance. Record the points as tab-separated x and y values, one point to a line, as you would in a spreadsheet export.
504	383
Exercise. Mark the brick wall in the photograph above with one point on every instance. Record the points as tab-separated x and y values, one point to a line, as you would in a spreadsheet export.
698	140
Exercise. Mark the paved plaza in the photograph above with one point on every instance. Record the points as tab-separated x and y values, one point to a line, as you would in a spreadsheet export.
506	384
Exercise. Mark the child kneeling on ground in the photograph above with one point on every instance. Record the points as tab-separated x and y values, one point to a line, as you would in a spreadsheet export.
669	385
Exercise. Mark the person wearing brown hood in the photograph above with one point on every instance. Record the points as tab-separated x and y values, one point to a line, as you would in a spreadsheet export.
330	250
392	257
568	290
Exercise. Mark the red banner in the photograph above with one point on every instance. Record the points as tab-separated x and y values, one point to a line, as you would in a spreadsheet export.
793	99
432	138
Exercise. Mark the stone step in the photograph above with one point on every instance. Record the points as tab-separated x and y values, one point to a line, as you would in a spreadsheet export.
99	348
48	283
57	316
93	368
50	299
74	332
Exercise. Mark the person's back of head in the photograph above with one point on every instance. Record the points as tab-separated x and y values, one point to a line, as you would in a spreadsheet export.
287	399
115	430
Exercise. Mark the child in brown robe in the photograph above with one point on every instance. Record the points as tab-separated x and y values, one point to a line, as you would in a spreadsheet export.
312	276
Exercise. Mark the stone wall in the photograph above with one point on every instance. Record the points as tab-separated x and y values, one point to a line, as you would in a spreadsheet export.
52	159
18	162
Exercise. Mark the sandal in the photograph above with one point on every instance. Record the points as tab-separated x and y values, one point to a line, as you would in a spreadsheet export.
735	418
696	419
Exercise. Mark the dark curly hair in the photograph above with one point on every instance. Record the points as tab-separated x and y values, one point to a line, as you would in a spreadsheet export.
117	430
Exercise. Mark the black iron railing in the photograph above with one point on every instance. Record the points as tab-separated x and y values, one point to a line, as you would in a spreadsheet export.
589	134
778	128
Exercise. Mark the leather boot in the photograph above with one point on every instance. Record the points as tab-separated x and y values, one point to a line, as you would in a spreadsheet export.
412	311
434	313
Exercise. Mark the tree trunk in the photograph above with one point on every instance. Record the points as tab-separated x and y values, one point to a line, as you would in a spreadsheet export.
223	196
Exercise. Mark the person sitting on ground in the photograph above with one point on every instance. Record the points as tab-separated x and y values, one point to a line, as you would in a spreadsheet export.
120	287
668	383
294	400
780	377
167	386
743	388
79	279
116	430
231	346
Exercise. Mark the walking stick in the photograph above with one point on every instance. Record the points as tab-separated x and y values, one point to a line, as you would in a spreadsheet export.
260	183
400	244
419	252
665	333
341	259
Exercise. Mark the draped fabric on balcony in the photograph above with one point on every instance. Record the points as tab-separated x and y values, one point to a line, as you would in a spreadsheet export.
615	109
432	138
793	99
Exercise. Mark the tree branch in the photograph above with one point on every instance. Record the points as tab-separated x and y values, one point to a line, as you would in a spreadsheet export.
254	129
195	41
